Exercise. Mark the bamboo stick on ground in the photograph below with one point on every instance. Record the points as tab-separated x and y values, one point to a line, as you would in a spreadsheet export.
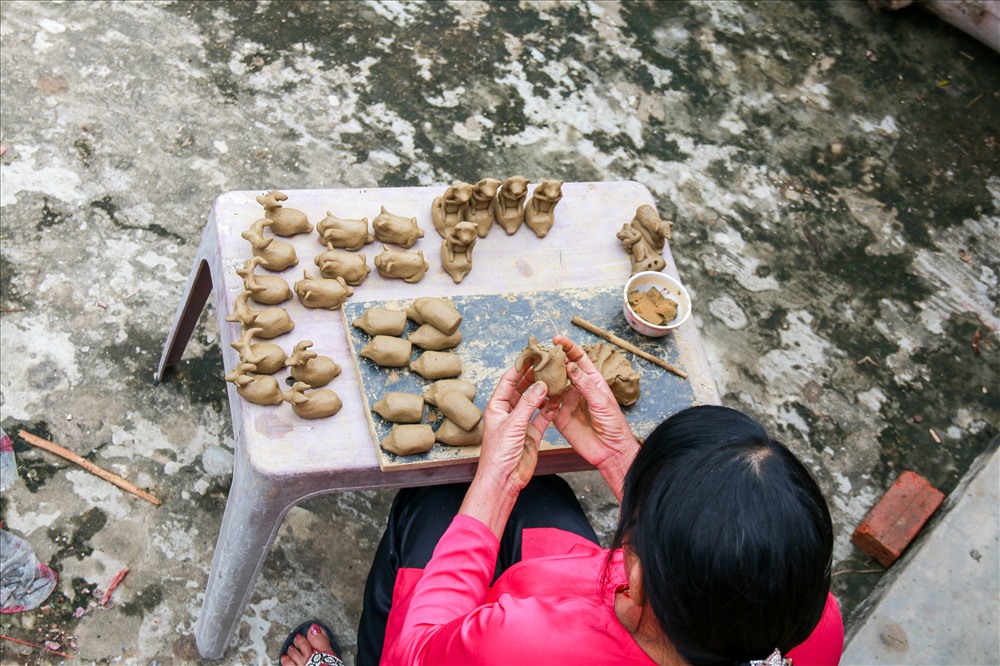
626	345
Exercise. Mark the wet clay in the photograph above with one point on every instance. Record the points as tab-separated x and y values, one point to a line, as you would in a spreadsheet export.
286	221
440	313
345	234
264	289
405	440
316	404
456	250
407	266
381	321
509	209
616	369
449	433
396	230
267	357
400	407
388	351
448	210
652	306
258	389
276	255
539	213
644	237
437	365
322	292
429	338
460	410
482	205
311	368
335	263
270	322
436	390
549	364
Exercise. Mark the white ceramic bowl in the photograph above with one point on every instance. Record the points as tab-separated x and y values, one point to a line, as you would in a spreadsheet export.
670	288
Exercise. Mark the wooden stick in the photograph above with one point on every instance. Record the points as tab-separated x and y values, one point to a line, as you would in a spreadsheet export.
626	345
34	440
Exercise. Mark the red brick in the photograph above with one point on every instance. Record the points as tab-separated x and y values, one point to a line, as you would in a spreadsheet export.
897	518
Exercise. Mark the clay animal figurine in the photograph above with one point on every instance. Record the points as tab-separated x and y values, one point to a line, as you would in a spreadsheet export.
509	211
313	405
400	407
396	230
322	292
616	369
347	234
258	389
437	365
407	266
311	368
440	313
447	210
270	322
449	433
644	238
388	351
334	263
431	339
405	440
287	221
456	250
482	205
549	365
277	255
381	321
264	289
539	213
433	392
267	357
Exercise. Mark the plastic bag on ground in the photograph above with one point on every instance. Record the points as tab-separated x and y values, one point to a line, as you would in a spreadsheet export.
24	581
8	464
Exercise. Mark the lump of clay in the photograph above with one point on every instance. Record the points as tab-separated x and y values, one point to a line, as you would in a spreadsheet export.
449	433
539	213
269	322
264	289
258	389
437	365
456	250
460	410
447	210
387	351
549	365
322	292
400	407
267	357
286	221
431	339
440	313
276	255
314	404
346	234
335	263
407	266
644	237
509	211
311	368
652	306
396	230
405	440
482	205
436	390
616	369
381	321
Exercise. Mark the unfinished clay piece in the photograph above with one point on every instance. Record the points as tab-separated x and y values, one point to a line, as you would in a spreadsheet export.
510	203
449	433
400	407
447	210
271	322
616	369
287	221
652	306
336	263
277	255
258	389
311	368
322	292
267	357
405	440
437	365
436	390
440	313
539	213
313	405
347	234
460	410
396	230
407	266
549	364
387	351
431	339
456	250
264	289
382	321
644	238
482	205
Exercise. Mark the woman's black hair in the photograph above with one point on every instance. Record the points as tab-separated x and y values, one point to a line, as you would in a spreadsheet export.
733	536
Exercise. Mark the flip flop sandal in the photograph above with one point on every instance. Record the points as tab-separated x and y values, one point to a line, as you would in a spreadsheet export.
316	657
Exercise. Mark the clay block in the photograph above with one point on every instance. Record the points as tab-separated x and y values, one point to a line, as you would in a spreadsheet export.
897	518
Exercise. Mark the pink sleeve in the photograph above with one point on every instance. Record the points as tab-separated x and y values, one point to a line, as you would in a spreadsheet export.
826	643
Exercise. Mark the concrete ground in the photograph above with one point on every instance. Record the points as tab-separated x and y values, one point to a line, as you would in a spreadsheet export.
835	175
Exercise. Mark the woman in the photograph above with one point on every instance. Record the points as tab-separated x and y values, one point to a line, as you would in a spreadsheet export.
722	553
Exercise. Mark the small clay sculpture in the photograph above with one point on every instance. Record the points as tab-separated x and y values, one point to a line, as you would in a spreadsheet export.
347	234
311	368
616	369
549	365
336	263
396	230
287	221
539	213
407	266
436	390
437	365
456	250
449	433
270	322
400	407
482	205
440	313
509	212
264	289
267	357
322	292
448	210
644	238
405	440
460	410
387	351
277	255
431	339
258	389
313	405
381	321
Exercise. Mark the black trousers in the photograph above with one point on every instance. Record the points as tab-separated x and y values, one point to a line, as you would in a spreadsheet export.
418	518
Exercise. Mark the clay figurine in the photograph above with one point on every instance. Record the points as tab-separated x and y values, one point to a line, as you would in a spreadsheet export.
258	389
482	205
456	250
277	255
616	369
313	405
264	289
539	213
447	210
431	339
311	368
449	433
347	234
396	230
509	211
440	313
437	365
287	221
387	351
267	357
270	322
400	407
436	390
322	292
460	410
644	238
336	263
405	440
407	266
381	321
549	365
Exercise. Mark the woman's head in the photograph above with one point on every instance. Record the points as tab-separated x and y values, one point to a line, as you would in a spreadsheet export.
732	534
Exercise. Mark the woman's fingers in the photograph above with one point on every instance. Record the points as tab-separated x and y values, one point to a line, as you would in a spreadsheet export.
507	394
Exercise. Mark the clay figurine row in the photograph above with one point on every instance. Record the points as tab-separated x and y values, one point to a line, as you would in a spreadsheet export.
490	201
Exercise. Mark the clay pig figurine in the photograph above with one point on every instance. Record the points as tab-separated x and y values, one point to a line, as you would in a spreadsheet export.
286	221
347	234
396	230
351	266
322	292
407	266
